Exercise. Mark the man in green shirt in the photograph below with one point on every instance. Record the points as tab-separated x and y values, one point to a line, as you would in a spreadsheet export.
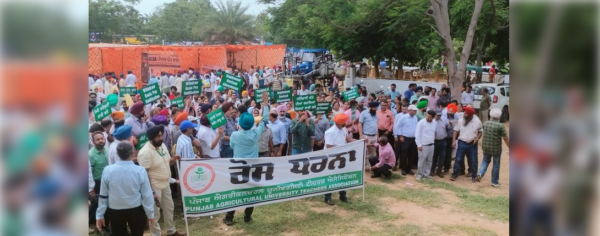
98	156
484	105
493	134
302	130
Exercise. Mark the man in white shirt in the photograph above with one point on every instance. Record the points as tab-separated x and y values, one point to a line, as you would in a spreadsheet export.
179	82
209	139
468	130
467	96
130	79
337	135
164	83
171	80
90	81
425	138
303	90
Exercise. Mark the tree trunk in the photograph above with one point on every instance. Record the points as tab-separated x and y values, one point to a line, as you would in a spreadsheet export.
400	63
376	67
479	49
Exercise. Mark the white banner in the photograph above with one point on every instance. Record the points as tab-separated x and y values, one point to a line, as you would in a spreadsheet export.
212	186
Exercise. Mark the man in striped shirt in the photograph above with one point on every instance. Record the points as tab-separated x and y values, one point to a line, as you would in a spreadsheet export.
185	149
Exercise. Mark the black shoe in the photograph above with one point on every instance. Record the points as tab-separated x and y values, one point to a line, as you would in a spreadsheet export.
228	222
453	177
410	172
431	173
461	173
478	178
346	200
247	219
446	171
375	176
403	172
329	202
439	174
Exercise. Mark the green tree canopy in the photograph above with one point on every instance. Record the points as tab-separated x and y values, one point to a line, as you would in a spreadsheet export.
176	21
229	24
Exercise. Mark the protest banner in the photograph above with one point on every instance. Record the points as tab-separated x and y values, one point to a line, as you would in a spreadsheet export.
216	118
322	108
101	111
232	82
305	102
212	186
143	140
350	94
191	87
127	90
150	93
258	94
283	95
179	102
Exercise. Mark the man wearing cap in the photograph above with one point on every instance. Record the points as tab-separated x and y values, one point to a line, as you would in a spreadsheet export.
185	149
229	127
139	121
302	130
130	79
439	146
385	122
425	138
367	127
335	136
155	158
121	134
245	145
493	133
468	133
421	109
406	130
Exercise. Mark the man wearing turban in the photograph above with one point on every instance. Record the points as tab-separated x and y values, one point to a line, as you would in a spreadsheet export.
155	158
422	107
121	134
139	120
468	132
335	136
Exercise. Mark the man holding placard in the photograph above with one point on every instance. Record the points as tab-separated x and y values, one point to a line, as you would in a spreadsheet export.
302	130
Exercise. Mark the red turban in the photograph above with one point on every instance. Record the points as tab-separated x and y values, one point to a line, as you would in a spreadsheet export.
452	108
164	112
469	111
136	108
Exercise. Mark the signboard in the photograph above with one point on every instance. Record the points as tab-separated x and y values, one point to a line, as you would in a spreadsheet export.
351	94
305	102
322	108
143	140
179	102
283	95
217	118
258	94
164	61
212	186
101	111
232	82
191	87
150	93
127	90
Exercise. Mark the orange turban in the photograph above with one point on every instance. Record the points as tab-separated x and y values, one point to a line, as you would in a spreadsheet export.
180	118
117	115
340	118
452	108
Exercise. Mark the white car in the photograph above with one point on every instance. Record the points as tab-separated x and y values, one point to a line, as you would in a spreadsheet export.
485	75
500	94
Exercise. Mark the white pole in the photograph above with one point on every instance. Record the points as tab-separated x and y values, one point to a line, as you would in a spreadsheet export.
364	155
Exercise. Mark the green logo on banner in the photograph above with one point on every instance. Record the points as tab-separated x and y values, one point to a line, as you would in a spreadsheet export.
101	111
232	82
323	108
179	102
191	87
351	94
283	95
150	93
216	118
305	102
258	94
143	140
127	90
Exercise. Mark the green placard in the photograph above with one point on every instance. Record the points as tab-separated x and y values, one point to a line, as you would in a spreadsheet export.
150	93
351	94
143	140
322	108
217	118
258	94
283	95
127	90
101	111
232	82
192	87
179	102
305	102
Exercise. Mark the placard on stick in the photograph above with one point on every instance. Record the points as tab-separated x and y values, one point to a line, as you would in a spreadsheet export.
127	90
323	108
191	87
101	111
179	102
258	94
232	82
217	118
283	95
305	102
150	93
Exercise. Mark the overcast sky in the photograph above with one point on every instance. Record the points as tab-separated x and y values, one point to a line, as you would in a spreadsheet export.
148	6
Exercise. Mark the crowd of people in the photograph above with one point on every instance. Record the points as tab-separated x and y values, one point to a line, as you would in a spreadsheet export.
132	181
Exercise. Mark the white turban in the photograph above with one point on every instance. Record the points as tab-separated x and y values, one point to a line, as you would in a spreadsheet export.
495	113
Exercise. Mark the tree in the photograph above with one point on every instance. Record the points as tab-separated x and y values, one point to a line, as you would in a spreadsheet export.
114	19
439	11
229	24
175	22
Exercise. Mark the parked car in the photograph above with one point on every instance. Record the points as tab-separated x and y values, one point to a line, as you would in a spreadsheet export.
500	94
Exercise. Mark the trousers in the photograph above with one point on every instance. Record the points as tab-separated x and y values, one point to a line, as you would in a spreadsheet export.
135	218
439	155
425	160
383	170
166	204
409	153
